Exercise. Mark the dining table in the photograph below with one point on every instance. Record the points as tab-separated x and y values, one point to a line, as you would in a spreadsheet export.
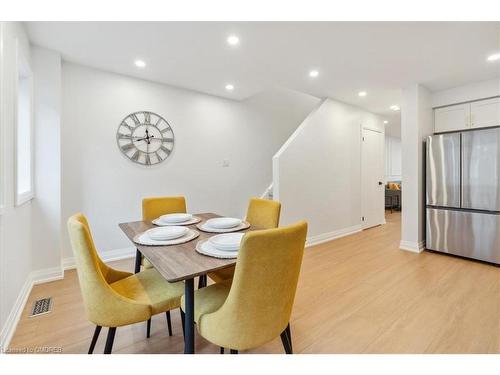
181	263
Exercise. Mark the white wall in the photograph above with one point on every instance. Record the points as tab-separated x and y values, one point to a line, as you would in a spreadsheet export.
416	124
15	221
100	182
317	173
460	94
392	158
46	215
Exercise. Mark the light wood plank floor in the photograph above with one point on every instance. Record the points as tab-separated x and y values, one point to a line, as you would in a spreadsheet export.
358	294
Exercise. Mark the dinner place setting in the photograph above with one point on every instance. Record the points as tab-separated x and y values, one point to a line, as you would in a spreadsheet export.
173	229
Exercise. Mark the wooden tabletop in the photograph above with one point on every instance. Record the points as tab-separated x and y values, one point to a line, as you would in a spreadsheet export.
178	262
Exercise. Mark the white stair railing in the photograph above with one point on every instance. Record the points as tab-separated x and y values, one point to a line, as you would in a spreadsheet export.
268	193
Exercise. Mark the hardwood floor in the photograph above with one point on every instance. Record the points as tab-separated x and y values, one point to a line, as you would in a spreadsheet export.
357	294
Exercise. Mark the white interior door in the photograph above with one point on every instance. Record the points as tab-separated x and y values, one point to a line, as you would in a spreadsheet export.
373	187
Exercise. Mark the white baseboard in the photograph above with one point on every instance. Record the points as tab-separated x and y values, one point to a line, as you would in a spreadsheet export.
415	247
106	256
47	275
44	276
35	277
15	314
325	237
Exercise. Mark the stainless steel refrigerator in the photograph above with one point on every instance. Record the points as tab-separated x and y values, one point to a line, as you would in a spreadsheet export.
463	194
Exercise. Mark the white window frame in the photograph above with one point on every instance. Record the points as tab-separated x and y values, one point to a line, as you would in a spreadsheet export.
23	63
2	131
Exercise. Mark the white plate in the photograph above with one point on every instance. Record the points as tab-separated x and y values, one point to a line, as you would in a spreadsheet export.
226	242
206	228
223	222
143	239
167	233
176	218
206	248
160	223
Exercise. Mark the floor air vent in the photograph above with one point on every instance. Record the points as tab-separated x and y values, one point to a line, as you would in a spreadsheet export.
41	306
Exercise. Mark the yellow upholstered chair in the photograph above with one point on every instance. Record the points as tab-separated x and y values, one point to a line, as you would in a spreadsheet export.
262	213
114	298
256	306
152	208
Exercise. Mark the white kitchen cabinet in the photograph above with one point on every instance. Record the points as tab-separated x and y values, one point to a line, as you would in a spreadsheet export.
485	113
452	118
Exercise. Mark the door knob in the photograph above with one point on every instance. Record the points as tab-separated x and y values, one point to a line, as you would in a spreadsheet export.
380	182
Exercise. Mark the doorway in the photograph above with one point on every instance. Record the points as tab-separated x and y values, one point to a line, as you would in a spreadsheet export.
372	178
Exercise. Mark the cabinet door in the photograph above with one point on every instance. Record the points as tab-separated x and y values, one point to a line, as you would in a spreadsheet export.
485	113
452	118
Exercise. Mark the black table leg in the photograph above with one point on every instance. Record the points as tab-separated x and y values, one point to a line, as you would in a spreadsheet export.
189	316
138	261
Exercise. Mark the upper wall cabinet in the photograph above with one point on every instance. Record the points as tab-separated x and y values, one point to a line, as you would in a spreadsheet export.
452	118
485	113
479	114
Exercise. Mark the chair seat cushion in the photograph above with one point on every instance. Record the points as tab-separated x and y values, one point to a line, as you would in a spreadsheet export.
209	299
223	274
149	287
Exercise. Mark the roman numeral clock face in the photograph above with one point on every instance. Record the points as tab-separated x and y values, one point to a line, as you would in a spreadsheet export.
145	138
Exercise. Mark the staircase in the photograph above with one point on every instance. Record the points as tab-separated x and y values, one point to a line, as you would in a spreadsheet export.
268	193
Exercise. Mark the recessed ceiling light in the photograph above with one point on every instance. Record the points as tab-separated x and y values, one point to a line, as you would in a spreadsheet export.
313	73
140	63
386	122
362	93
494	57
229	87
394	107
233	40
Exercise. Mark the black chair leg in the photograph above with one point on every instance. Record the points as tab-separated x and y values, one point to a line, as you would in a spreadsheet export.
183	322
148	329
169	323
234	351
202	281
94	339
138	261
109	340
221	350
289	334
286	339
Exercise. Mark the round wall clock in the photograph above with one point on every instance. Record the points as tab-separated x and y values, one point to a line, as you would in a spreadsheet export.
145	138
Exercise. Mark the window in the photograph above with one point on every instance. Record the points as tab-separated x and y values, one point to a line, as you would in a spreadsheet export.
24	129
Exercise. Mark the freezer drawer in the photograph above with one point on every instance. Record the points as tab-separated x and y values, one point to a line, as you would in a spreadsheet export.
481	169
443	170
469	234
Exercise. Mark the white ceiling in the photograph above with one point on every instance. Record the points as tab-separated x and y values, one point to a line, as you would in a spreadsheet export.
378	57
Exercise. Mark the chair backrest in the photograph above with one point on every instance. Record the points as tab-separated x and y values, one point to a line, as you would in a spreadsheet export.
154	207
103	305
260	301
263	213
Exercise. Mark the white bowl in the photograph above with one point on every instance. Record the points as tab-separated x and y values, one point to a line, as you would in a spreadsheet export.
176	218
226	242
223	222
167	233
